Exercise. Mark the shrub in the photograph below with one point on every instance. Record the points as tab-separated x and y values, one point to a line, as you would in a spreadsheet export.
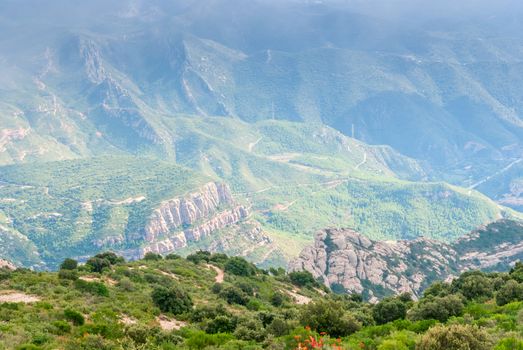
277	299
455	337
509	344
96	288
509	292
221	324
74	316
437	308
172	299
234	295
95	264
60	327
303	279
68	275
250	329
111	257
476	286
329	316
172	257
199	256
219	258
69	264
239	267
150	256
389	310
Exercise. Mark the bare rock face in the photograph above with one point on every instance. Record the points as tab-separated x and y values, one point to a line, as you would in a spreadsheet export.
188	210
4	264
179	221
347	261
343	258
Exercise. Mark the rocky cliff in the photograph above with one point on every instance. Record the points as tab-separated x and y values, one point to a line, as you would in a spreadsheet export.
180	221
346	261
4	264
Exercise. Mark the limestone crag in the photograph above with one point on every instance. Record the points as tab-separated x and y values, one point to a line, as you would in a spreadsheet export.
179	221
4	264
181	239
347	261
178	212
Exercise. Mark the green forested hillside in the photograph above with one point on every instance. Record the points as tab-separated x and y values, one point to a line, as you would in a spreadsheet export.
212	301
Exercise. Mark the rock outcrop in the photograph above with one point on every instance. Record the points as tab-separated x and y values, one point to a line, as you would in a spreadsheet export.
346	261
180	221
4	264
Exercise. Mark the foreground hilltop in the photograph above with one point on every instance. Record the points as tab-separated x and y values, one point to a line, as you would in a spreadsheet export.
347	261
218	302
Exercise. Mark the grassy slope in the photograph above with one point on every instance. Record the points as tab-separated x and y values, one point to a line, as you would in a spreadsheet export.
125	316
62	207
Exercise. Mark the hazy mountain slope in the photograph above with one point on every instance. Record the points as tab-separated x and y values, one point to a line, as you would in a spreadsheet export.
445	92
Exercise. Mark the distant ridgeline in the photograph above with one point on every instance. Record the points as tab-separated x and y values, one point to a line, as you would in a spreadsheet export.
220	302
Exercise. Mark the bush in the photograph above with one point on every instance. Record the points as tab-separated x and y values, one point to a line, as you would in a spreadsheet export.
476	286
172	257
250	329
61	327
96	288
509	344
437	308
509	292
111	257
150	256
234	295
95	264
199	256
277	299
221	324
455	337
69	264
329	316
74	316
303	279
172	299
68	275
389	310
239	267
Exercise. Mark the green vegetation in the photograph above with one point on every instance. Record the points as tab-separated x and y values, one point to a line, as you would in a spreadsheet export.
176	303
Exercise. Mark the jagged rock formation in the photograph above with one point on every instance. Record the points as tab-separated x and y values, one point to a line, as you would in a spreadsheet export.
179	221
4	264
346	261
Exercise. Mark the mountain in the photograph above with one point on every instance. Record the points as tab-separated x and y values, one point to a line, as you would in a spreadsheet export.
347	261
345	118
444	92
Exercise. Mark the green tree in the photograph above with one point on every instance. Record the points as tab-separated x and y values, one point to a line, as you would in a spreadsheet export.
509	292
389	310
69	264
329	316
437	308
239	267
74	316
172	299
150	256
303	279
455	337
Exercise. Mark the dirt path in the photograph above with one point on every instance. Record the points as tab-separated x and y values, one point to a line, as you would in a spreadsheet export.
169	324
253	144
300	299
219	273
362	162
17	297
